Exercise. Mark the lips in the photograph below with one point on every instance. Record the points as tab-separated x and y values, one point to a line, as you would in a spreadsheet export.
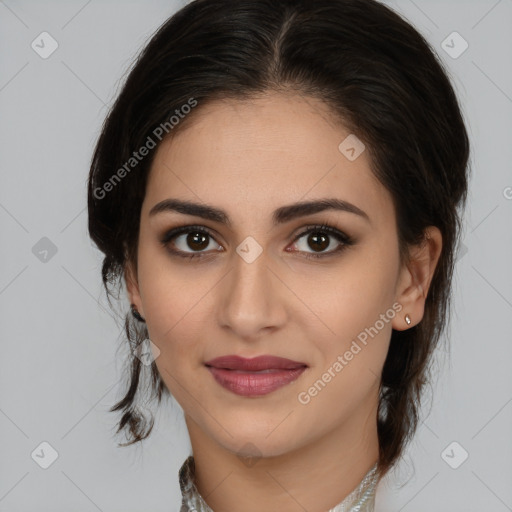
260	363
254	377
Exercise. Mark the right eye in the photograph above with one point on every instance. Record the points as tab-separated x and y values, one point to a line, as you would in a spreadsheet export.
189	237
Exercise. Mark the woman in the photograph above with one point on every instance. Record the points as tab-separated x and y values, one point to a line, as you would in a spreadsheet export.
279	185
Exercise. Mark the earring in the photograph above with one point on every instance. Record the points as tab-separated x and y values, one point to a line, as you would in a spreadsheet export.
136	314
407	319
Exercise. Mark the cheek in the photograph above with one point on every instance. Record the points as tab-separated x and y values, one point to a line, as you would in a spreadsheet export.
349	296
168	290
358	308
175	313
170	300
175	310
354	310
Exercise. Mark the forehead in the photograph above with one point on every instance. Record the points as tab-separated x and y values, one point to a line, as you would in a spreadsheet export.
260	154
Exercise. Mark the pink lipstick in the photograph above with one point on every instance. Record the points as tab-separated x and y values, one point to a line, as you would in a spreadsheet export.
257	376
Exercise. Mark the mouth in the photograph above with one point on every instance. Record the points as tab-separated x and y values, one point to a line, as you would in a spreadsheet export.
254	377
255	364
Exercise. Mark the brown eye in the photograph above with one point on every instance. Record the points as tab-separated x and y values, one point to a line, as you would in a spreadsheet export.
320	238
318	242
187	241
197	241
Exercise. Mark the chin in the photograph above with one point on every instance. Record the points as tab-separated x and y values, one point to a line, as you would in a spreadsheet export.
254	443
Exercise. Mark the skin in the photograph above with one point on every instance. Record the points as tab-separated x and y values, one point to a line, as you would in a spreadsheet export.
249	158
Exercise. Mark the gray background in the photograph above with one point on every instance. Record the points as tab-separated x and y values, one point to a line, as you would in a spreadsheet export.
61	368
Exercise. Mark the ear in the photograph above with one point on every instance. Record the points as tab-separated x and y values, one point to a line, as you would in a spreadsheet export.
415	278
132	287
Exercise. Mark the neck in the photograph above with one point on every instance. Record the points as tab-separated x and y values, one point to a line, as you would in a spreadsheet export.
315	477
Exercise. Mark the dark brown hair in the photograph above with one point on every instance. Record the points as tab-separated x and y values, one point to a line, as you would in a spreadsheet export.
380	79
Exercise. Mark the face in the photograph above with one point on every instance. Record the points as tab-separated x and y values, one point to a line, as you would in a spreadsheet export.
252	282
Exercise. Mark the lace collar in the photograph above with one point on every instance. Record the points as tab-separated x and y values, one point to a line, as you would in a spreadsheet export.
361	499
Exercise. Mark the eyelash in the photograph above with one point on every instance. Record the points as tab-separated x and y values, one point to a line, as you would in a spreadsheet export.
321	228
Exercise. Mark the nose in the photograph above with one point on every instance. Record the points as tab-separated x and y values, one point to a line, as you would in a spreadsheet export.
252	298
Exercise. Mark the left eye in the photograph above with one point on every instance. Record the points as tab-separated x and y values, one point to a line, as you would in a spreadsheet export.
320	237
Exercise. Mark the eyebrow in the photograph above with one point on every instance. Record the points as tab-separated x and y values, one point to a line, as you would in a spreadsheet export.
280	215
